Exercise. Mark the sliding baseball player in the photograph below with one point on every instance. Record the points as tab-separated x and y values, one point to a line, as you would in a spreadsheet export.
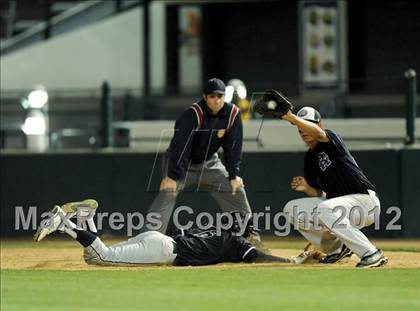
184	247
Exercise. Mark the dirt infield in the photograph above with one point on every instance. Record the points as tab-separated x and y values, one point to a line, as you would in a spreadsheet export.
67	255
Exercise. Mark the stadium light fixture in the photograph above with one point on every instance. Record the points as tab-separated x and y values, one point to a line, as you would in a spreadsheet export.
38	98
229	93
241	90
35	124
235	86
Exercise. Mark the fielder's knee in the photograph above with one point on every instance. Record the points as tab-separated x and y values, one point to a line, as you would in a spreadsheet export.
324	209
326	215
290	207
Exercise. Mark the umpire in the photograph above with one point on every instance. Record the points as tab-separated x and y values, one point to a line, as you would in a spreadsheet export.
192	157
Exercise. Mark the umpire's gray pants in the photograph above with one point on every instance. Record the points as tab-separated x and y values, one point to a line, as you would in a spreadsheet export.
210	176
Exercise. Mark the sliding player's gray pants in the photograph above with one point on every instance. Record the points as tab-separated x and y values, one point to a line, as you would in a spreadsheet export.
148	247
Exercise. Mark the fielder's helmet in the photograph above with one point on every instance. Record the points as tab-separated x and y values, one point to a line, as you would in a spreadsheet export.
309	114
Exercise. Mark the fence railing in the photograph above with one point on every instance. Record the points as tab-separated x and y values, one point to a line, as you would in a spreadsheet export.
101	117
78	15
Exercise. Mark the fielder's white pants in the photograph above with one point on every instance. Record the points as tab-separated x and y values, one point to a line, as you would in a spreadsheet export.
147	247
317	221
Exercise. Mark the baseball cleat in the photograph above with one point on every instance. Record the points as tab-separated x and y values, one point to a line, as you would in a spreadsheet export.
377	259
334	258
84	207
50	225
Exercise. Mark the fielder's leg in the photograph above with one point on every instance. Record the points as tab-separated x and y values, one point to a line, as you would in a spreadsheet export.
331	211
302	214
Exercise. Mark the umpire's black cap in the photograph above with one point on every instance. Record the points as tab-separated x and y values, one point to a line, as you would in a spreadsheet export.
214	86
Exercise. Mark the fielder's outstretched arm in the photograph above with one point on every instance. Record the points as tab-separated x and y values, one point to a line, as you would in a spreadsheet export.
310	128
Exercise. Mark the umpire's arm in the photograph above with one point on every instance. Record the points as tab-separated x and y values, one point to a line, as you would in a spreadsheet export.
181	143
232	148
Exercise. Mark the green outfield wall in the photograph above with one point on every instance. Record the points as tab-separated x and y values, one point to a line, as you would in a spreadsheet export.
127	182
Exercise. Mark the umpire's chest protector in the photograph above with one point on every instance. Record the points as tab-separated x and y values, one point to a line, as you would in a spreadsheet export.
212	129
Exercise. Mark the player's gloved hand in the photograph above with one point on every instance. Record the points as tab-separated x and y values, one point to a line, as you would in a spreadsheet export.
167	183
288	116
299	184
236	183
272	104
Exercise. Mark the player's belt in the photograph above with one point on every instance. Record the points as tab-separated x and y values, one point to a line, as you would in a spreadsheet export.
372	192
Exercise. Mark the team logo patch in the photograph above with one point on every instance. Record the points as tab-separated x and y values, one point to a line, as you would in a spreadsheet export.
205	234
302	113
221	133
323	161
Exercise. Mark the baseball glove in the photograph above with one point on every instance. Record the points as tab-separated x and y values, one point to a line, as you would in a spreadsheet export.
309	255
272	104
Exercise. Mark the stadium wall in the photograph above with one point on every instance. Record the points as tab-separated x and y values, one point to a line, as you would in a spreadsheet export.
110	49
126	182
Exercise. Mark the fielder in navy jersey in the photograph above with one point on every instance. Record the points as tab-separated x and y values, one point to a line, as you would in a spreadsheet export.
338	190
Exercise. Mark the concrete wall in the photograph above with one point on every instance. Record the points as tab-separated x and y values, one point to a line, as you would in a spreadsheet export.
276	135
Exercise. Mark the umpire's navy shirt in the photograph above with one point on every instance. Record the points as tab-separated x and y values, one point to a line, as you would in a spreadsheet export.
197	145
331	168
